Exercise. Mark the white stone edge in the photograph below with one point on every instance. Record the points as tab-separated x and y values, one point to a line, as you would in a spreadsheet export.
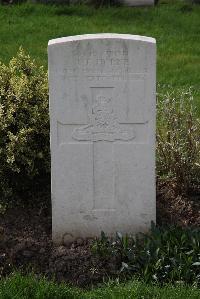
97	36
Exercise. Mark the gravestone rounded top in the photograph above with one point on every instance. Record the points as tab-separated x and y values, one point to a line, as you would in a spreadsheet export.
101	36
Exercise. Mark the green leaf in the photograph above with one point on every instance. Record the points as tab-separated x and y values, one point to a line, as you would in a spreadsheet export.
196	264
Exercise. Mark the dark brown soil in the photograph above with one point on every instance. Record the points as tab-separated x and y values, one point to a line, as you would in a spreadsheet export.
25	240
177	209
25	245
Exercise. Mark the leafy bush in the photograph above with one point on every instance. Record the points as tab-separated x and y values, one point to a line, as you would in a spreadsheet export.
24	132
165	255
178	140
24	127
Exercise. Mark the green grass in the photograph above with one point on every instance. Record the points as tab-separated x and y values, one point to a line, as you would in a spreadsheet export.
20	287
175	26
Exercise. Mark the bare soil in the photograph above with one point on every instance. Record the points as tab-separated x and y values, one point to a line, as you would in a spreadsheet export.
175	209
25	240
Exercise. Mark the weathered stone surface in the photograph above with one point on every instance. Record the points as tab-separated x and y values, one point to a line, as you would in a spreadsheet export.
102	117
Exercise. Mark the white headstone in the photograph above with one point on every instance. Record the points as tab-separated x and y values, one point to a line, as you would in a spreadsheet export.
102	119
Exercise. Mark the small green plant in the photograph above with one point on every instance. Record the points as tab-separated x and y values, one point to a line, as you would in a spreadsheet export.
178	140
101	246
164	255
24	127
120	248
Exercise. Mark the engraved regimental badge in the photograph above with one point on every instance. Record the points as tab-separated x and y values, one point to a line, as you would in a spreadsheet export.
104	124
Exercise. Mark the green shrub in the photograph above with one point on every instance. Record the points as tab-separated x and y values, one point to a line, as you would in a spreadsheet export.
24	132
24	127
178	140
165	255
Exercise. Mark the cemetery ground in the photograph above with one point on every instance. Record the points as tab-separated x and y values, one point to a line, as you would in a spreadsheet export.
25	225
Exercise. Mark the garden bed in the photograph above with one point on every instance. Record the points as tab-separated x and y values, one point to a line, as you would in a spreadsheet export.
26	241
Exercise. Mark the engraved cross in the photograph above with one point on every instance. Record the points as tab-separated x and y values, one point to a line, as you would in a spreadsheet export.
103	129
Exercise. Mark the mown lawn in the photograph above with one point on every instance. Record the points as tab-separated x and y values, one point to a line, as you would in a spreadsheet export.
175	26
19	287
